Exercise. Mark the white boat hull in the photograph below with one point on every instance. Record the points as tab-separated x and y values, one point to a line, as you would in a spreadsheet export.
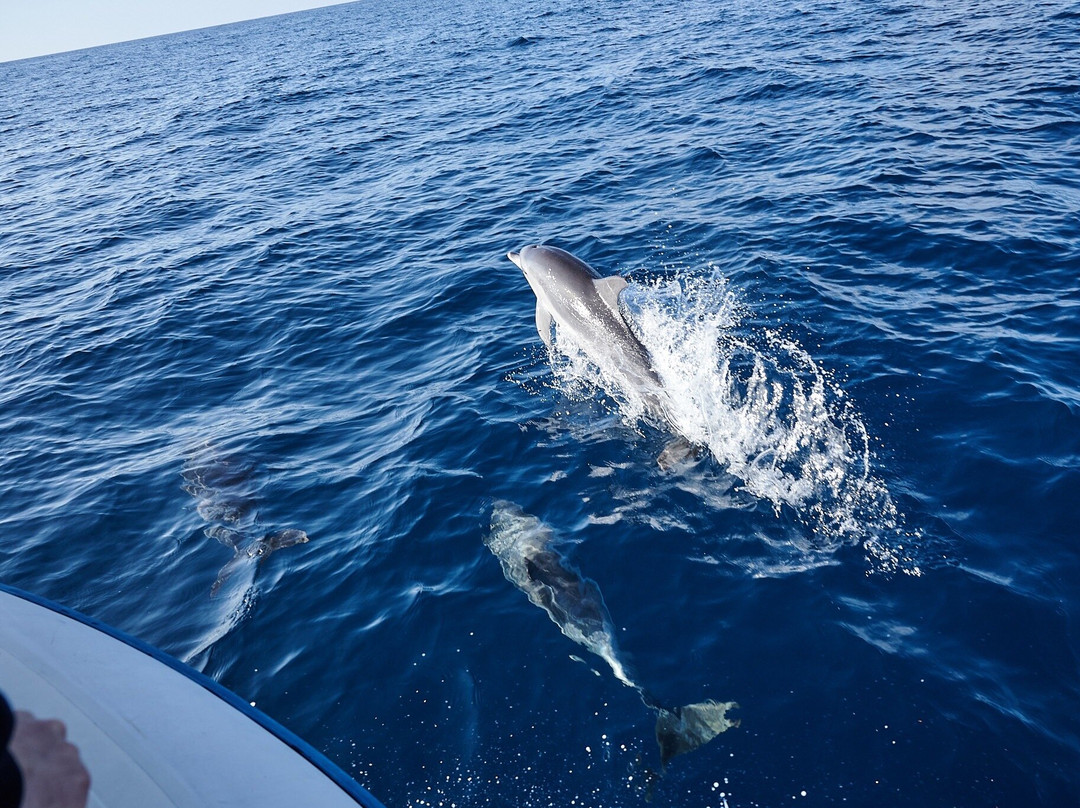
151	731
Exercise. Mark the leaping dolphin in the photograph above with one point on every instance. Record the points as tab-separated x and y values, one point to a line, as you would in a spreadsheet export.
573	295
522	543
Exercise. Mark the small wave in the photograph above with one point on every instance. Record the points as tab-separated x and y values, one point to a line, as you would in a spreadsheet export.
522	41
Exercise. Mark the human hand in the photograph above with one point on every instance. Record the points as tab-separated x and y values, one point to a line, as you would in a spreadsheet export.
53	774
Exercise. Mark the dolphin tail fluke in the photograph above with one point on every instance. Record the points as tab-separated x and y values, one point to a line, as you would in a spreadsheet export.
684	729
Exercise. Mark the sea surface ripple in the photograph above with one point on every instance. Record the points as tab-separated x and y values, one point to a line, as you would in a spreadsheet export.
253	278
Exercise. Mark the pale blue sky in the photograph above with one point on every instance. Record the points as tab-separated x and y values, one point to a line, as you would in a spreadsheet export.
37	27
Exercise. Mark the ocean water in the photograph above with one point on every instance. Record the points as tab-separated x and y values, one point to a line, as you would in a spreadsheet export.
253	279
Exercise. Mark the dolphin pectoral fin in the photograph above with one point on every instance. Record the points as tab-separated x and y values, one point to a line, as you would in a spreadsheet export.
543	323
225	572
677	451
608	288
684	729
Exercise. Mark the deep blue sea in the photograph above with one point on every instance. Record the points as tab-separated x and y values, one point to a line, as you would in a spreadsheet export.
254	278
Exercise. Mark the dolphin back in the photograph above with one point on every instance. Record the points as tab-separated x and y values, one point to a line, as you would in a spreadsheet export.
574	603
522	544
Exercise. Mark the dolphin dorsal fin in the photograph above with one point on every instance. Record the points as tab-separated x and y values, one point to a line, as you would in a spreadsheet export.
608	288
543	323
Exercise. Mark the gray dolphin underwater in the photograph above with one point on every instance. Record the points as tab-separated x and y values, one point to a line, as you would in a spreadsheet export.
523	545
575	297
224	497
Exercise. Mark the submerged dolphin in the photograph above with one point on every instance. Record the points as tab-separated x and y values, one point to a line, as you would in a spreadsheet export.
522	543
223	496
585	304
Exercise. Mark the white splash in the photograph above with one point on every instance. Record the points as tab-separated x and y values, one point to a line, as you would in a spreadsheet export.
755	399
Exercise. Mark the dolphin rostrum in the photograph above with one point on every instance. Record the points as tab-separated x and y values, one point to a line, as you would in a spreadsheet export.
522	543
576	298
